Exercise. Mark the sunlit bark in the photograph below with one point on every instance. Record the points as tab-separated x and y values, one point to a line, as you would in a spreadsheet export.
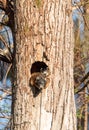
44	27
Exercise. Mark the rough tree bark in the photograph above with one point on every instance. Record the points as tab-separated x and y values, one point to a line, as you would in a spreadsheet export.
44	27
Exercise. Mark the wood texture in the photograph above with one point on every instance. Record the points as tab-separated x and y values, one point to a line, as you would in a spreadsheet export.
44	27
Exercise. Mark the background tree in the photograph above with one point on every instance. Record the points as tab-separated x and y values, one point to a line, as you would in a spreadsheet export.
44	32
6	39
81	69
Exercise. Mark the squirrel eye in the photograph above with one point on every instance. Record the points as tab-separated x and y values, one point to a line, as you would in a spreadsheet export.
37	78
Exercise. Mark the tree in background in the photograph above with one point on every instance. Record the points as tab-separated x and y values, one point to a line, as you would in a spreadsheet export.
81	69
6	40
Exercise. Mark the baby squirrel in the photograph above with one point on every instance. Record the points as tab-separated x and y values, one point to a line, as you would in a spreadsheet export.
40	80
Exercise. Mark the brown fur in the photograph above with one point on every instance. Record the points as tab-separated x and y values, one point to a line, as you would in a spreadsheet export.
39	80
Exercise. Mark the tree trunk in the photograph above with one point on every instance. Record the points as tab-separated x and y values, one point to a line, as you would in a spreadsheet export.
44	32
86	112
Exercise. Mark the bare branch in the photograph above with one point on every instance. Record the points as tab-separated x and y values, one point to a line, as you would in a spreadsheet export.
82	87
6	90
4	42
83	79
7	117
